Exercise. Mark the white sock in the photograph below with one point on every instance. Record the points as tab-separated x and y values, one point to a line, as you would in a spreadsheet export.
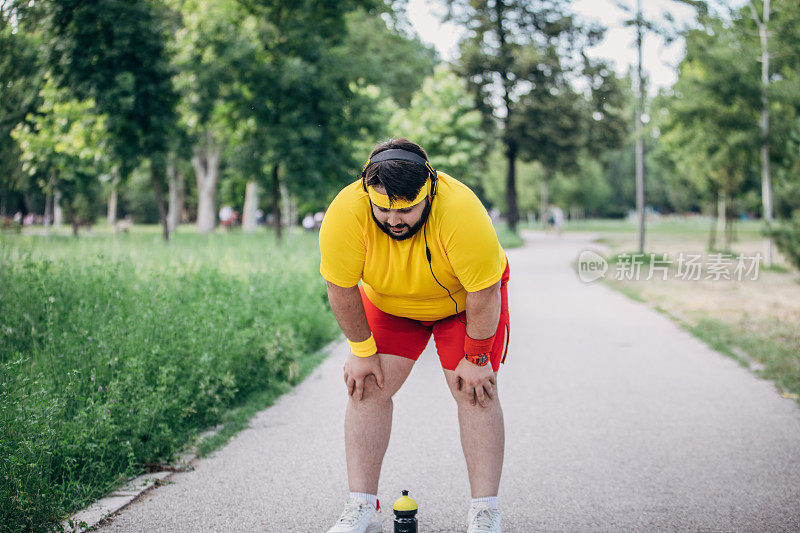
371	498
491	500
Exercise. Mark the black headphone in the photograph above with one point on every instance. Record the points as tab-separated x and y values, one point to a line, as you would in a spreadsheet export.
398	154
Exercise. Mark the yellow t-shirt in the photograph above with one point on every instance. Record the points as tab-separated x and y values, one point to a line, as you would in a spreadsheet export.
465	253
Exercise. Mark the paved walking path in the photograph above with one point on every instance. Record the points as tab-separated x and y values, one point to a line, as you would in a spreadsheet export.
616	420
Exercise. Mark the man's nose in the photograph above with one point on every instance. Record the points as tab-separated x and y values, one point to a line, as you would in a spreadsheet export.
393	219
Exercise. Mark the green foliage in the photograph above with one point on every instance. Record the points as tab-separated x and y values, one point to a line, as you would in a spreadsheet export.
137	199
113	355
384	56
63	148
443	119
521	60
529	176
787	238
585	189
114	52
712	123
21	73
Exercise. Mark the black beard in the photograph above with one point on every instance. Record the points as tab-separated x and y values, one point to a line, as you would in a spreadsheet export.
412	230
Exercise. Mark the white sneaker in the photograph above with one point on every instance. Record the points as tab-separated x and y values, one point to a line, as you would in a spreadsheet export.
483	519
358	517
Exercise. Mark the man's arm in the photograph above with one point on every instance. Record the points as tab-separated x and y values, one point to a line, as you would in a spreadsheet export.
483	312
349	312
483	315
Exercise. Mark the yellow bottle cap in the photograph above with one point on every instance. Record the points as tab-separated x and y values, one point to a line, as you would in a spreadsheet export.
404	503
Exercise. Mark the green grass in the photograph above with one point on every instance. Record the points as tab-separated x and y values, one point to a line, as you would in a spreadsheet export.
508	239
239	418
769	343
773	344
665	226
116	353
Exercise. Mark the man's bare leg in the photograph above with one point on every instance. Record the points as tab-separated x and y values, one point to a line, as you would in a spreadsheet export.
482	439
368	424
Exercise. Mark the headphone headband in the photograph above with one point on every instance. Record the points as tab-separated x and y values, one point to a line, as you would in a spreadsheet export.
397	153
401	155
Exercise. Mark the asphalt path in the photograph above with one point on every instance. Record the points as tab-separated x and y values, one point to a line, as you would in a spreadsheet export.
616	420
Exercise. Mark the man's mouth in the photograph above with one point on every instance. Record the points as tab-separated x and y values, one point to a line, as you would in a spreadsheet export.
399	229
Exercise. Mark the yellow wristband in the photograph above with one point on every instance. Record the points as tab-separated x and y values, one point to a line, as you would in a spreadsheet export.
364	348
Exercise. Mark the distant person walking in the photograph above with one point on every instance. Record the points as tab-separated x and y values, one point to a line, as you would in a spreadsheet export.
555	218
425	250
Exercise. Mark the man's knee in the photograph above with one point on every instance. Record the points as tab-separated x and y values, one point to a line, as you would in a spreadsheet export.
458	390
372	393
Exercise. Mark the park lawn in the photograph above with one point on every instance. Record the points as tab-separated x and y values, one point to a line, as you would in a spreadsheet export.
755	321
116	353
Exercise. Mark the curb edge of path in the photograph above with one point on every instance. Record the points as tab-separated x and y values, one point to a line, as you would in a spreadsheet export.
100	510
105	508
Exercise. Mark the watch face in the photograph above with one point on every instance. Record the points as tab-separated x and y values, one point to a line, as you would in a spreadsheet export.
478	359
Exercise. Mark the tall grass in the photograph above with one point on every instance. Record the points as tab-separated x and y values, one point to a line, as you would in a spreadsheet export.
115	353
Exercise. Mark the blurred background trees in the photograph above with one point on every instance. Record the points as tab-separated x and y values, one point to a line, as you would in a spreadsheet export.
166	110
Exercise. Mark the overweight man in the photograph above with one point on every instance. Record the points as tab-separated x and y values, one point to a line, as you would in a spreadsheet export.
429	262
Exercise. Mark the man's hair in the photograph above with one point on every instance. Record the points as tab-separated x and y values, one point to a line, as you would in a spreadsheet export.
401	179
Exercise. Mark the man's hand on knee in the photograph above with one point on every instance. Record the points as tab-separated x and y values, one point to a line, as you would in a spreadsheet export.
475	383
356	370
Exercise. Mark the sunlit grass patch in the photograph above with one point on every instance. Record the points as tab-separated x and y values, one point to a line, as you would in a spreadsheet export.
114	353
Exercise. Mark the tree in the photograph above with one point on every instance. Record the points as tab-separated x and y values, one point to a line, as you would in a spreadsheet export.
22	76
214	49
114	52
643	25
443	119
305	102
711	122
383	55
515	48
63	147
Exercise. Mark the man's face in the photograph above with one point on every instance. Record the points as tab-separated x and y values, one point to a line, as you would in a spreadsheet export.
400	224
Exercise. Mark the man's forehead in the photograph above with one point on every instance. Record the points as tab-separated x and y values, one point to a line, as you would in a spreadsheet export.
409	208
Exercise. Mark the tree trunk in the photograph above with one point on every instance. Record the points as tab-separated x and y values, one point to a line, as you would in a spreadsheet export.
276	202
712	231
640	203
173	212
58	213
766	179
157	179
288	207
722	217
250	207
111	214
508	102
543	201
511	186
729	220
206	167
72	220
48	209
181	179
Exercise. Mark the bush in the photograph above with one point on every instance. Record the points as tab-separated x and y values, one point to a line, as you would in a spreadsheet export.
111	361
787	239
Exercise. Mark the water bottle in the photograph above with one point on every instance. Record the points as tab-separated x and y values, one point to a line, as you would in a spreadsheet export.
405	514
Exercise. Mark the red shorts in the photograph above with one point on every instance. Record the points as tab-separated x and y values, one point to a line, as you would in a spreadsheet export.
406	337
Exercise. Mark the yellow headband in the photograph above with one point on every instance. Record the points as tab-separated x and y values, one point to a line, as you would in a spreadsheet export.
382	200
